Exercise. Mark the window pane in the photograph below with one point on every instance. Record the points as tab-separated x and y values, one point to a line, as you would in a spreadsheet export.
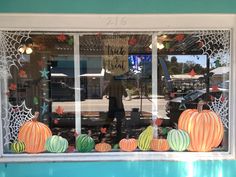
116	77
42	82
194	67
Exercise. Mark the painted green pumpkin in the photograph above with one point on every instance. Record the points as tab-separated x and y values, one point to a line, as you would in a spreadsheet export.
145	138
84	143
56	144
18	147
178	140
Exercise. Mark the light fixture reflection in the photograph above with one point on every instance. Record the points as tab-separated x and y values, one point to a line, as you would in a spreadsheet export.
159	46
28	50
21	49
26	46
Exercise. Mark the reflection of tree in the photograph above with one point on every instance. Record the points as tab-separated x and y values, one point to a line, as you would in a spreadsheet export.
181	68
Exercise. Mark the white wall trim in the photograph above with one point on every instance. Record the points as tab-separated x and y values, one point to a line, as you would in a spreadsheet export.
113	22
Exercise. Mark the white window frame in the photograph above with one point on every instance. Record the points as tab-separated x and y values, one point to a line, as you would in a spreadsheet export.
127	23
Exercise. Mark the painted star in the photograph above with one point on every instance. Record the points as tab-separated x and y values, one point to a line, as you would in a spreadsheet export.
103	130
12	87
44	108
22	73
179	37
44	73
61	38
192	73
60	110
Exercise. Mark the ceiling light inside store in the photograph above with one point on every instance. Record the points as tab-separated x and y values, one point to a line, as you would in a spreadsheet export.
159	45
26	46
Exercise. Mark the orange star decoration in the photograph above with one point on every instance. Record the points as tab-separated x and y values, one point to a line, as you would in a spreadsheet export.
103	130
179	37
158	121
22	73
61	38
192	73
215	88
60	110
132	41
12	87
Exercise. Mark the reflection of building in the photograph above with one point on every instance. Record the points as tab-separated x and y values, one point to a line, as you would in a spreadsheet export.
184	82
220	75
93	83
92	76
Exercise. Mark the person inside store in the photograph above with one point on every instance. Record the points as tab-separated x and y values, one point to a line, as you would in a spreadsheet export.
115	91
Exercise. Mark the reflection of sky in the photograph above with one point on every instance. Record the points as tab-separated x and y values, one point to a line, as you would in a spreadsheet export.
198	59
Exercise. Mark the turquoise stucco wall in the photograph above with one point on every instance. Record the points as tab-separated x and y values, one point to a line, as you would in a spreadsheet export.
126	168
121	169
118	6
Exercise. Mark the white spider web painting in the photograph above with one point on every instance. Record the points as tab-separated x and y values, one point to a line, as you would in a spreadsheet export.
220	107
13	118
215	44
10	42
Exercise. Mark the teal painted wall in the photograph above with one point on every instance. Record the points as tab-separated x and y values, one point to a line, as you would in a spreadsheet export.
119	6
119	169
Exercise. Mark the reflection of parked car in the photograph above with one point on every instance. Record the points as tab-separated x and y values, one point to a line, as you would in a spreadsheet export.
62	92
177	105
224	86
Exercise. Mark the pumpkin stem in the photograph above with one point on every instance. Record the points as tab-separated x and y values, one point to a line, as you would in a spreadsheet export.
127	136
36	115
200	105
103	140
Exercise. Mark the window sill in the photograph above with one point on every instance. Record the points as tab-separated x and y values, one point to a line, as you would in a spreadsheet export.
120	156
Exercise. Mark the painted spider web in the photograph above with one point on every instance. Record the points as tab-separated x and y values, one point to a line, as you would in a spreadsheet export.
14	117
10	56
215	44
220	107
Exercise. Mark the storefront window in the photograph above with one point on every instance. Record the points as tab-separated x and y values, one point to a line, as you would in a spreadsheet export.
115	92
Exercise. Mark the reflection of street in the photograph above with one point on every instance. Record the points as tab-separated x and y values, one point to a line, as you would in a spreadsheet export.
102	105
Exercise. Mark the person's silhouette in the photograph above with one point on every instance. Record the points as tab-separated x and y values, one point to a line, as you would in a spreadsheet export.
115	92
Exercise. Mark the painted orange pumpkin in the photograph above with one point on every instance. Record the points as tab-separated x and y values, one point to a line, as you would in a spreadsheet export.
159	145
34	134
204	127
103	147
128	144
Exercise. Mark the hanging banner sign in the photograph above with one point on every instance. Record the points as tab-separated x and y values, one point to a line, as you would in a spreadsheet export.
115	56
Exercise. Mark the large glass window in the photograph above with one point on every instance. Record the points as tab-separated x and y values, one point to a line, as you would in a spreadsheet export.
116	76
92	92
